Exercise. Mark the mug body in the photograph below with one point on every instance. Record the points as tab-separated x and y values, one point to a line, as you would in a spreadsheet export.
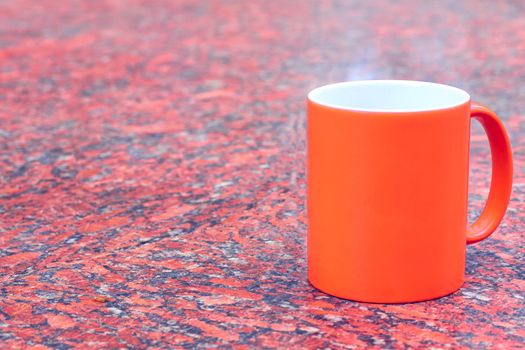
387	189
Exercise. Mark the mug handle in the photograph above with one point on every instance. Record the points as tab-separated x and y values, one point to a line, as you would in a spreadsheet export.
501	183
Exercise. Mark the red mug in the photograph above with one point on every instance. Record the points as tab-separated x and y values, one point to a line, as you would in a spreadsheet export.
388	188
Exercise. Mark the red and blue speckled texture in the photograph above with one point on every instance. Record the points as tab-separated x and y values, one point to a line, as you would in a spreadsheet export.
152	170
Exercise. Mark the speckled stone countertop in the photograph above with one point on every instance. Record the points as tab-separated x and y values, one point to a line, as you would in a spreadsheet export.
152	170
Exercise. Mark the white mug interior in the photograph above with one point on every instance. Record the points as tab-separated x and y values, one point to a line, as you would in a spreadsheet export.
389	96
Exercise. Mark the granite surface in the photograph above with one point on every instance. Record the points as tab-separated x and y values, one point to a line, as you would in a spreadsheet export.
152	170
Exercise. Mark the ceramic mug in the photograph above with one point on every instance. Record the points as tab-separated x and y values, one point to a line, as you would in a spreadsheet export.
388	188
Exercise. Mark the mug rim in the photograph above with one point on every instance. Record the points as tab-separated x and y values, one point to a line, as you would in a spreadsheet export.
455	96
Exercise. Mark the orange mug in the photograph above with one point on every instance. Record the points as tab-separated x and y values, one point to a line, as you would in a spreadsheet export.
388	188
